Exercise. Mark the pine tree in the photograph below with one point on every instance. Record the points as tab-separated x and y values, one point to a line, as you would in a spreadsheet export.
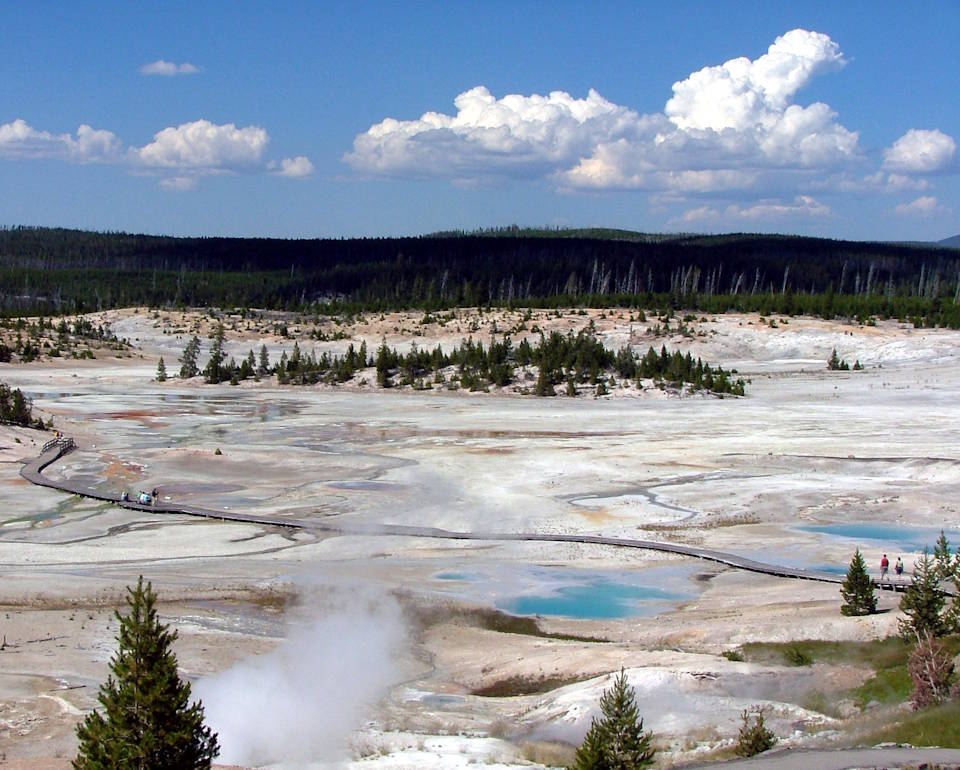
383	365
617	741
590	754
263	364
943	557
923	602
857	589
952	615
544	386
161	371
835	363
148	722
754	737
213	373
188	362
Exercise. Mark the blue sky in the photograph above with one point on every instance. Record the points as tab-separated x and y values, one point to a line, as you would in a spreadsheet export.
374	118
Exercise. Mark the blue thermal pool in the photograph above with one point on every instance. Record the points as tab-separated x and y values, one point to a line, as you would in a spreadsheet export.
910	539
574	593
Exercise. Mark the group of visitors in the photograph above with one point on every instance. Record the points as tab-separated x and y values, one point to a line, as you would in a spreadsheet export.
885	568
144	498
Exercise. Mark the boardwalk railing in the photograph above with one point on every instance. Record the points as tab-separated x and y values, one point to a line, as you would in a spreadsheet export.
65	443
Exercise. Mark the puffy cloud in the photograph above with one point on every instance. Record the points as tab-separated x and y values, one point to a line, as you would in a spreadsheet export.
168	69
741	94
920	151
19	140
202	145
801	206
295	168
513	136
924	206
178	154
94	145
723	127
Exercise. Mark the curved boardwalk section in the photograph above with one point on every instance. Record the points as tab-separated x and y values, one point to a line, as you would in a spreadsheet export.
55	449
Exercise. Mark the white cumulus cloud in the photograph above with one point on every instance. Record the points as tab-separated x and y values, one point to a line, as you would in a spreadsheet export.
723	127
20	140
762	211
741	94
294	168
920	151
923	207
513	136
168	69
203	145
178	154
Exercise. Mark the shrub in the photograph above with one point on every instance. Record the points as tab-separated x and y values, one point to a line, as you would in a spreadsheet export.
754	737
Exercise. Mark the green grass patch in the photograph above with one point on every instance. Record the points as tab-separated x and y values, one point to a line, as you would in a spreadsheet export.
525	685
891	683
937	726
887	685
881	653
796	656
493	620
887	657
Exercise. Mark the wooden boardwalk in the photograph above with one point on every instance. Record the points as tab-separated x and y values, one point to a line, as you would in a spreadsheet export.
53	450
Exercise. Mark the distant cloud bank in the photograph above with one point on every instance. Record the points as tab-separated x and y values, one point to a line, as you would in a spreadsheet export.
733	130
20	141
178	154
168	69
923	207
732	144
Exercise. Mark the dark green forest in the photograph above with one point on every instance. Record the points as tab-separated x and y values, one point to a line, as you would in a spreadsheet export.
53	271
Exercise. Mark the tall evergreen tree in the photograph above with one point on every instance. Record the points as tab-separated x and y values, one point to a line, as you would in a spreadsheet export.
188	362
161	371
544	386
923	602
263	363
213	372
617	741
148	722
943	557
857	589
383	365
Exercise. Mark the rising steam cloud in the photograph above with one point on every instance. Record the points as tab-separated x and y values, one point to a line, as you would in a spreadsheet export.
299	703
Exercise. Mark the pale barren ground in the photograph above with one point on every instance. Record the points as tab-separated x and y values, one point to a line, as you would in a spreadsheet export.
363	675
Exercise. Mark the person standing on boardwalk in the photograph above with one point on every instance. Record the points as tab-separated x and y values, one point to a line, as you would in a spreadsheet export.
898	568
884	567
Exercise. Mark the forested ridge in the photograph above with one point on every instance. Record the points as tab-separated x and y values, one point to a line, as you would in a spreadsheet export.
46	270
